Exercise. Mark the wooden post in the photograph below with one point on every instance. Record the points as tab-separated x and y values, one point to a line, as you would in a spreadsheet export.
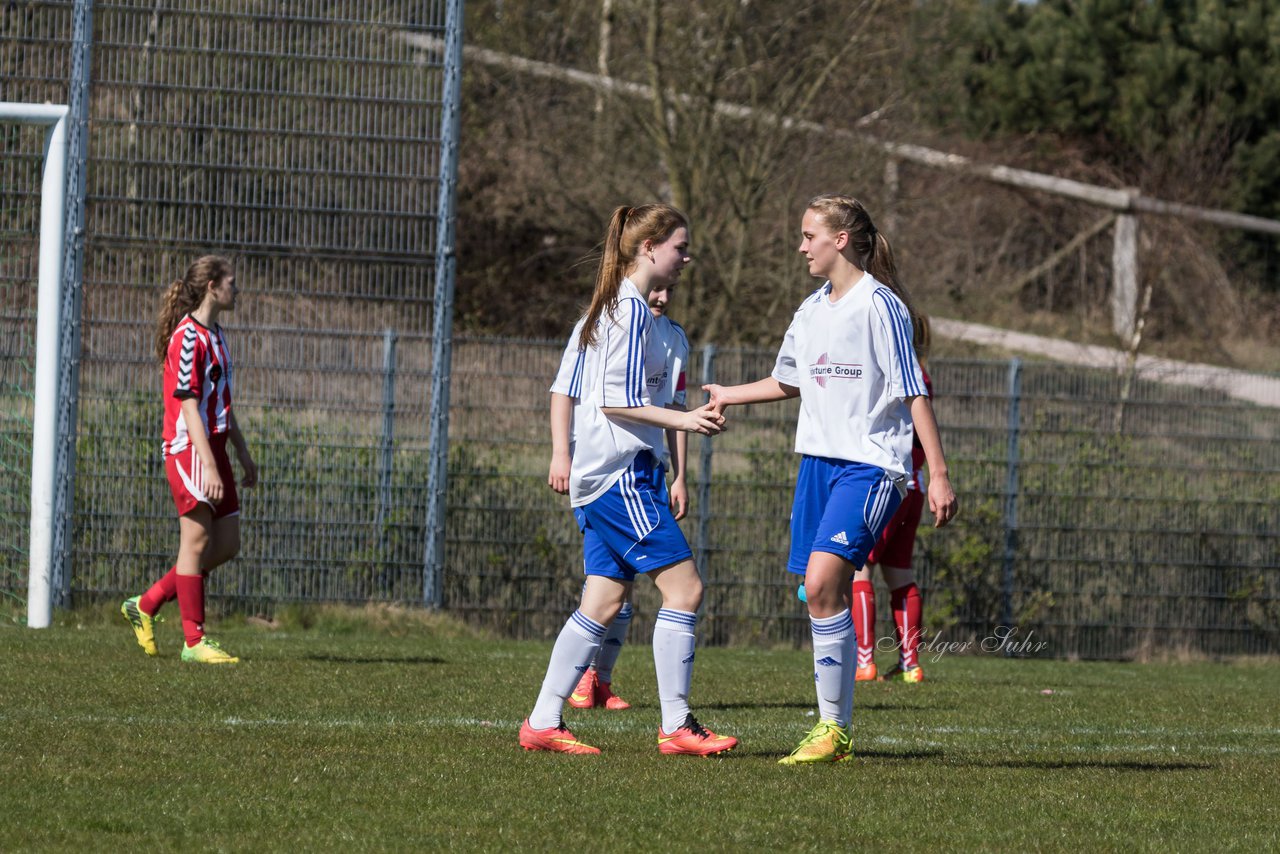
1124	276
891	196
602	50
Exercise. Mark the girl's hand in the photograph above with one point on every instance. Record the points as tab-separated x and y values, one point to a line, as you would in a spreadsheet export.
558	476
715	397
679	499
212	484
706	419
248	470
942	500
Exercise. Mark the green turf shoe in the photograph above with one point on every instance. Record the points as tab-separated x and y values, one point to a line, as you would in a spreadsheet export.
207	652
144	625
826	742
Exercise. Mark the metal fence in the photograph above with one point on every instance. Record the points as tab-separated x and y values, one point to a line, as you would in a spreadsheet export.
1098	521
1101	519
307	141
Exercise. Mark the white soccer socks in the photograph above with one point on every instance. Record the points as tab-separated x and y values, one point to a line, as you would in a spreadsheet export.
673	642
570	657
611	646
833	666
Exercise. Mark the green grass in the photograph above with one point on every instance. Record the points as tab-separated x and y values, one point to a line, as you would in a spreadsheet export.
392	730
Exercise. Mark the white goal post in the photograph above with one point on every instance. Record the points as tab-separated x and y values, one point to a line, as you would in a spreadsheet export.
48	334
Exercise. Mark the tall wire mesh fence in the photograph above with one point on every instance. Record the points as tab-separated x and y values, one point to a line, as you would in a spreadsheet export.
302	140
1104	519
1096	522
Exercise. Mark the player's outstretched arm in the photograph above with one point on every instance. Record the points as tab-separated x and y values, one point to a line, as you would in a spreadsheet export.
704	419
760	391
942	498
561	418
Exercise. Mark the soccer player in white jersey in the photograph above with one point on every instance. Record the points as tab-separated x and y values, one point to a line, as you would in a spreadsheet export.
848	355
614	490
665	379
198	423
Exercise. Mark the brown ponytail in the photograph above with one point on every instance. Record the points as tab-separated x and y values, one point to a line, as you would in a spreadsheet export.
184	296
628	229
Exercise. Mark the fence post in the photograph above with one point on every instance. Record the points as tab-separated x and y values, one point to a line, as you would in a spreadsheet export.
1011	495
72	297
704	471
890	216
388	434
1124	276
442	320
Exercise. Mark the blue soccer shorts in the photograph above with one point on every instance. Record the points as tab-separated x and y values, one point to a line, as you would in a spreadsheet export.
840	507
629	529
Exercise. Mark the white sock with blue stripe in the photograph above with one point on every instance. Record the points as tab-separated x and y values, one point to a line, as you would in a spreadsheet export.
673	643
834	657
611	646
570	658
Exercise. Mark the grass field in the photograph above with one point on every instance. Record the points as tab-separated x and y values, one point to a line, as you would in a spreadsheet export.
387	730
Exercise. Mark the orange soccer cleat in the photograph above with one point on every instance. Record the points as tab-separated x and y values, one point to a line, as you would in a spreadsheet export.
693	739
604	696
584	695
556	738
865	673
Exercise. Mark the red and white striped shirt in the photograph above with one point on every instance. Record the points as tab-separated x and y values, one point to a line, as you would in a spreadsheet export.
197	366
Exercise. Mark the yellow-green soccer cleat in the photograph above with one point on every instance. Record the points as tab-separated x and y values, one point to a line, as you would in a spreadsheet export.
207	652
144	625
826	742
910	675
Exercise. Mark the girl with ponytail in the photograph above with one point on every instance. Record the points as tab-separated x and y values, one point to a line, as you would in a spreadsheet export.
198	424
606	440
850	356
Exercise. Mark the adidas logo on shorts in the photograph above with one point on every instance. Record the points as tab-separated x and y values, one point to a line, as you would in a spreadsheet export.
841	539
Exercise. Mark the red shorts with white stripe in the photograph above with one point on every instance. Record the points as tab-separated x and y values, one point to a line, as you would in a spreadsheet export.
897	542
187	478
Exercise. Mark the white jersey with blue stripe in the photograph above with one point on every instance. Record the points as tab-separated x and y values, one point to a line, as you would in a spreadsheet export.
666	380
854	364
613	373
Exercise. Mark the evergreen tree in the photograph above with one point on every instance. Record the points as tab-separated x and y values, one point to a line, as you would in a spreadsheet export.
1130	80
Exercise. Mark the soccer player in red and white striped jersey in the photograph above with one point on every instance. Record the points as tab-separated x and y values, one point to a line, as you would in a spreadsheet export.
198	424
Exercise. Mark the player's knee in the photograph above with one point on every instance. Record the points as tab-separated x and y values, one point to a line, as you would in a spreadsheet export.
824	592
686	597
196	541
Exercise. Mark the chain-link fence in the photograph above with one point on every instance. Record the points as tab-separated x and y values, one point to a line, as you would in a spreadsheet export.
1104	519
304	141
1100	522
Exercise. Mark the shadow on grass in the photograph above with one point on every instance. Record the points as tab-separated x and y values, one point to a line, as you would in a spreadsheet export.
1071	764
809	704
375	659
908	756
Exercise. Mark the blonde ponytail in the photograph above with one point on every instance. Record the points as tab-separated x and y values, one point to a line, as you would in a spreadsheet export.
870	248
